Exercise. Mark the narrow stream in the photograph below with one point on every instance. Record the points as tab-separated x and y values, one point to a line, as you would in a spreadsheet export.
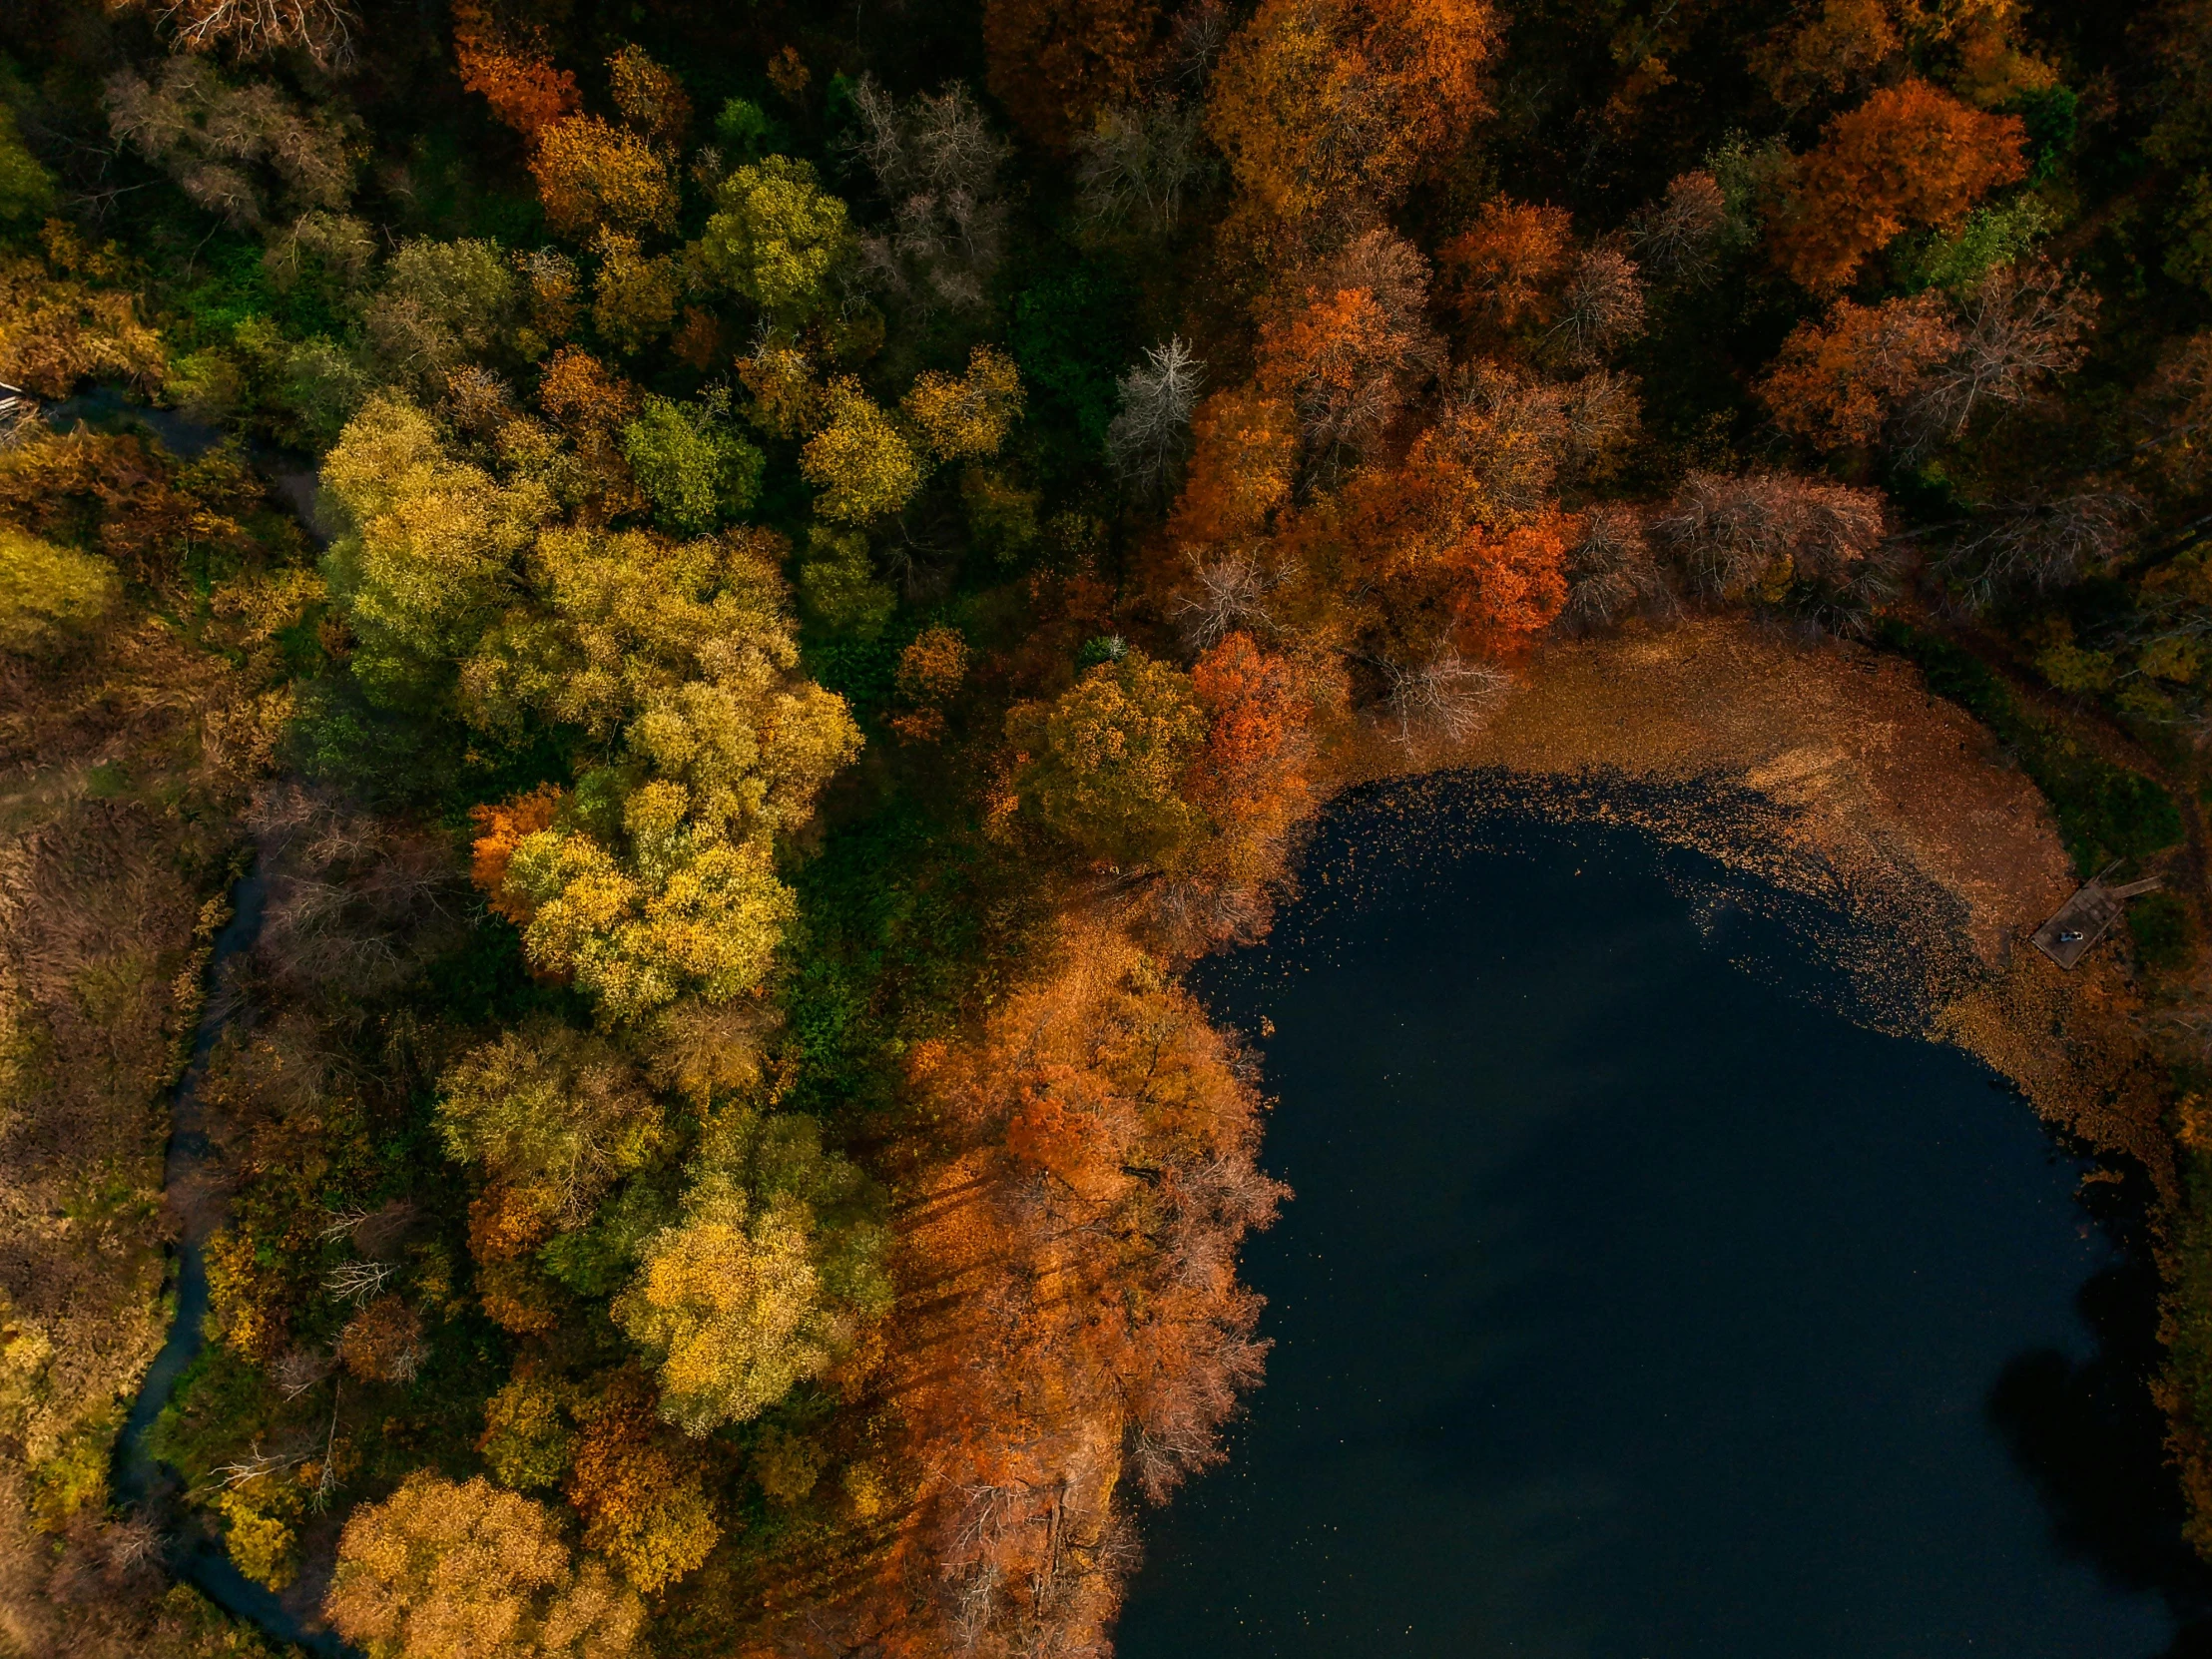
194	1556
1636	1303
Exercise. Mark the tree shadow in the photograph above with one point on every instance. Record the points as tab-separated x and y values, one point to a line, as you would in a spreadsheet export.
2091	1438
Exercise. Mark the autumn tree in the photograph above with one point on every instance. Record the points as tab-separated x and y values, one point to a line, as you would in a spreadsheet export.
510	72
1244	461
1055	63
686	650
1910	155
966	418
1350	357
1506	268
860	461
931	672
639	1489
1094	1335
774	235
694	469
443	306
423	544
768	1278
1843	379
1324	106
652	100
555	1114
49	596
442	1569
1102	767
591	174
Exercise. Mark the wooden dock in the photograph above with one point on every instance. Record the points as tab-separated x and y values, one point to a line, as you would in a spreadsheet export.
2087	918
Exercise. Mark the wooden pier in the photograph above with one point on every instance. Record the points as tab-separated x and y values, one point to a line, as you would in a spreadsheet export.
2088	916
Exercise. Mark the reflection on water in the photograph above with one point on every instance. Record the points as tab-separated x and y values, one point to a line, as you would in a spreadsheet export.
1636	1305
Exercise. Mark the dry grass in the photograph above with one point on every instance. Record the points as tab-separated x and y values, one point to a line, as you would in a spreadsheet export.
117	790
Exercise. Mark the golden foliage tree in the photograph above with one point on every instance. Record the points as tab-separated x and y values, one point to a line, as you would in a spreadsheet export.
593	175
1102	767
1325	105
462	1570
766	1281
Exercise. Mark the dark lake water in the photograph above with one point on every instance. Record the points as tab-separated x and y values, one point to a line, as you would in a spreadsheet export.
1636	1302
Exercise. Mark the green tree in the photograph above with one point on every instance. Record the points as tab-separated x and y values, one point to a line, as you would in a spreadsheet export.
552	1111
26	188
692	467
775	235
1102	767
837	584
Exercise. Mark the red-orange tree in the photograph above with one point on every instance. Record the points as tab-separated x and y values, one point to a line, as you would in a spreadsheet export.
1910	155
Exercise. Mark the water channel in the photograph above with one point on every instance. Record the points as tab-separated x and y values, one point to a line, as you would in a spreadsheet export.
1636	1302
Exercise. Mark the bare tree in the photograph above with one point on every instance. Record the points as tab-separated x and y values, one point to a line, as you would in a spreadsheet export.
1600	415
1604	306
1447	695
1149	436
323	29
299	1369
2040	544
1233	586
1610	571
1137	163
357	1281
1678	238
2019	327
1772	537
1202	29
937	161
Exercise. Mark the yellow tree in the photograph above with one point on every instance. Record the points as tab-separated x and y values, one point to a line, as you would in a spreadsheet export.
462	1570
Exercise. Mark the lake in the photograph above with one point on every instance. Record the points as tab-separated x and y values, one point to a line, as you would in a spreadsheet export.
1635	1302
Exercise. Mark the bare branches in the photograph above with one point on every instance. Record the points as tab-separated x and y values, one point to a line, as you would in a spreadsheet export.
1678	239
323	29
1610	571
1446	696
1604	306
1148	438
937	160
2040	544
1137	161
1232	586
298	1369
357	1281
2019	327
1764	535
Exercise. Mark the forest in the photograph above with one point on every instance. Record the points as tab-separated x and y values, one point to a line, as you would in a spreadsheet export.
754	582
